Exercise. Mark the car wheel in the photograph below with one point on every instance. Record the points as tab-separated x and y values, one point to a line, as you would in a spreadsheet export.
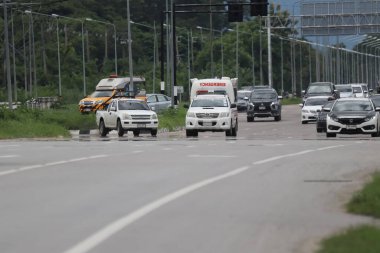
153	132
136	133
250	119
234	130
195	133
304	122
120	130
189	133
102	129
277	118
328	135
319	130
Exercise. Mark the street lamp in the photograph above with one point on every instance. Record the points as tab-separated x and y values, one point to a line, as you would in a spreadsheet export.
83	49
154	49
114	32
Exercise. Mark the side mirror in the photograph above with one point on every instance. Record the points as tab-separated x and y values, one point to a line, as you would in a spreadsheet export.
303	92
186	106
279	97
301	105
233	105
113	109
326	110
377	109
370	90
153	108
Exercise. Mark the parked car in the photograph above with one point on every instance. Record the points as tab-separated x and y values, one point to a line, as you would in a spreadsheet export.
213	113
264	103
353	116
310	108
321	89
321	116
345	90
242	99
158	102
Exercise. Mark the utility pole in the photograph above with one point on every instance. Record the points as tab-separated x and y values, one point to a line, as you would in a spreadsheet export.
131	88
7	58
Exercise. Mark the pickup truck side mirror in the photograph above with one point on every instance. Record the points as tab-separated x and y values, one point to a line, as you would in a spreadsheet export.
326	109
233	105
301	105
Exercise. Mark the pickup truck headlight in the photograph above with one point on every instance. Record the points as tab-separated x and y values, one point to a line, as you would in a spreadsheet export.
190	115
81	102
127	116
224	114
154	116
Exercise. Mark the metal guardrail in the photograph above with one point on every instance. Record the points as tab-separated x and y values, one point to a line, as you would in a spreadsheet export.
41	102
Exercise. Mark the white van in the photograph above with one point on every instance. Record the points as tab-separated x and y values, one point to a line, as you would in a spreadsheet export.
224	86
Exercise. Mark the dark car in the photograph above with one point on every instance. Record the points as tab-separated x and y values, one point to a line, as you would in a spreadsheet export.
376	99
242	99
264	103
321	89
321	117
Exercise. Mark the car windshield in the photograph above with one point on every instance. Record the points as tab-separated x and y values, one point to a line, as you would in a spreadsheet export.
133	105
220	102
319	89
315	101
242	95
344	88
352	106
101	93
263	95
365	88
357	89
376	101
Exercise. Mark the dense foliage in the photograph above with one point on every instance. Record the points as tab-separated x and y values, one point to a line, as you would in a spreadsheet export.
99	49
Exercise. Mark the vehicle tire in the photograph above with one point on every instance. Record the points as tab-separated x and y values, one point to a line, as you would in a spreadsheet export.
235	129
195	133
328	135
189	133
277	118
249	119
319	130
120	130
136	133
103	131
153	132
304	122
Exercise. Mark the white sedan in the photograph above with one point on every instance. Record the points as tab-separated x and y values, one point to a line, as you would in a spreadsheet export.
311	107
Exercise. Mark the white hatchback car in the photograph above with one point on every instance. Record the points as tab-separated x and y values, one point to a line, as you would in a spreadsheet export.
213	113
310	108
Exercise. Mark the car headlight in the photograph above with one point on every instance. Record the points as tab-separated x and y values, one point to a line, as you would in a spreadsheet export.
154	116
251	106
334	118
224	114
369	117
305	111
127	116
190	115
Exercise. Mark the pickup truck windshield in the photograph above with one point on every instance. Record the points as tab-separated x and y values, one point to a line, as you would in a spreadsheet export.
133	105
209	103
101	93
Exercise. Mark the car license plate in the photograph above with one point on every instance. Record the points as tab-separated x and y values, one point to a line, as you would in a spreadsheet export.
141	125
261	107
207	123
87	109
351	126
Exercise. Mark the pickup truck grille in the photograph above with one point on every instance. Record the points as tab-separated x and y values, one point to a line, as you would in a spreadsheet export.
140	117
207	115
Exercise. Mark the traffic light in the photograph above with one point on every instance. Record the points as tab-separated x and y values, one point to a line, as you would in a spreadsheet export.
259	7
235	12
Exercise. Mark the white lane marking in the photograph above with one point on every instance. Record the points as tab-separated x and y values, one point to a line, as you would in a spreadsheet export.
103	234
120	224
137	151
211	156
167	149
8	156
37	166
9	146
331	147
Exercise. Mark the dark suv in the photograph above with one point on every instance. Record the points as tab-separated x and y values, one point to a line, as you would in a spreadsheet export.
264	103
321	89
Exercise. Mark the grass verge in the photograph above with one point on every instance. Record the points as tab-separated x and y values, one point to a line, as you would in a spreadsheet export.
367	201
364	239
291	101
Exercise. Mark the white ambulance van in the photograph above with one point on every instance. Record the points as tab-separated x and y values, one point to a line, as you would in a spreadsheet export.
224	86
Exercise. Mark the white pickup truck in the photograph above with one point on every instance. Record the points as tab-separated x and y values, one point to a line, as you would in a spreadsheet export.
213	113
125	114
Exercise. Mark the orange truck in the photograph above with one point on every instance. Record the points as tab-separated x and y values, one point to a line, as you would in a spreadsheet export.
109	88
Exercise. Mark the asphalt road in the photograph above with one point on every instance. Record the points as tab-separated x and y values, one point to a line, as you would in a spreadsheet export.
278	187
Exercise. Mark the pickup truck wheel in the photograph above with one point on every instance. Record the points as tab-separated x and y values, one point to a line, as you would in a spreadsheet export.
189	133
234	130
103	131
153	132
136	133
120	130
195	133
